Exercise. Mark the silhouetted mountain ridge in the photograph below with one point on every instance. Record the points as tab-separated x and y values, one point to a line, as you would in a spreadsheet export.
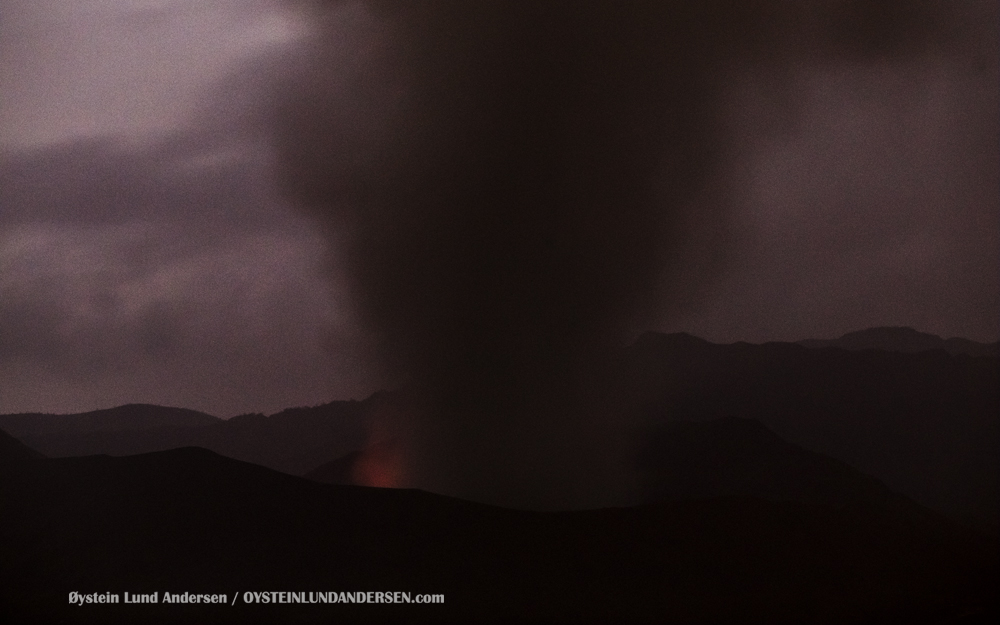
906	340
294	440
130	417
924	422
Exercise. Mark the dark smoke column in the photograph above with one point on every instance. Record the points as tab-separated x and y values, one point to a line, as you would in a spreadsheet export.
506	180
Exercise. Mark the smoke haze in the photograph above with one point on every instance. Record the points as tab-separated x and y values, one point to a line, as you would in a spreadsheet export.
498	193
511	187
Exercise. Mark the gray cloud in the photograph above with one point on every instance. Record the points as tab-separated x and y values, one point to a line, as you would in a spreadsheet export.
110	314
864	194
124	69
92	182
168	273
144	255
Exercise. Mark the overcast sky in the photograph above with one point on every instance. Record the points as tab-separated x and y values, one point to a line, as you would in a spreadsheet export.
146	255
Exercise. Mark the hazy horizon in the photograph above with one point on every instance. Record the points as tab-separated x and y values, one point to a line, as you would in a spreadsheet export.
366	396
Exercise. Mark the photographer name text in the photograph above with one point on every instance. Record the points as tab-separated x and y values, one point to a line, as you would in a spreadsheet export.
251	597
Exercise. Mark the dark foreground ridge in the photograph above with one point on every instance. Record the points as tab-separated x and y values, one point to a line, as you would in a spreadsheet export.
732	457
13	451
189	520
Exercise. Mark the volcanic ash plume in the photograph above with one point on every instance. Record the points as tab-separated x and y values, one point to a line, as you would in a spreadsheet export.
505	183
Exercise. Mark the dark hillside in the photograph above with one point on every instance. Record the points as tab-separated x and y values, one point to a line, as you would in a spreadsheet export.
189	520
13	450
927	424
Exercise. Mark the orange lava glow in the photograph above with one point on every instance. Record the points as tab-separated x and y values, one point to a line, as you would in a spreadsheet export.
380	464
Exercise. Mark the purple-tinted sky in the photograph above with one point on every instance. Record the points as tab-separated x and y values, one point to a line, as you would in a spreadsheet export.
146	255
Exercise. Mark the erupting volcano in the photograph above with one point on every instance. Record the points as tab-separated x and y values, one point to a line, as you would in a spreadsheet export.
509	187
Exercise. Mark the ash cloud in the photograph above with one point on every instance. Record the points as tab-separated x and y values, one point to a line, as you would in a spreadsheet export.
509	186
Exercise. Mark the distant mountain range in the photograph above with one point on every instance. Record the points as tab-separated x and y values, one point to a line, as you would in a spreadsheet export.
294	441
191	521
906	340
925	423
127	418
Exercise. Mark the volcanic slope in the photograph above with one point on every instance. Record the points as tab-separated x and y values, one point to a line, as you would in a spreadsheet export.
189	520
